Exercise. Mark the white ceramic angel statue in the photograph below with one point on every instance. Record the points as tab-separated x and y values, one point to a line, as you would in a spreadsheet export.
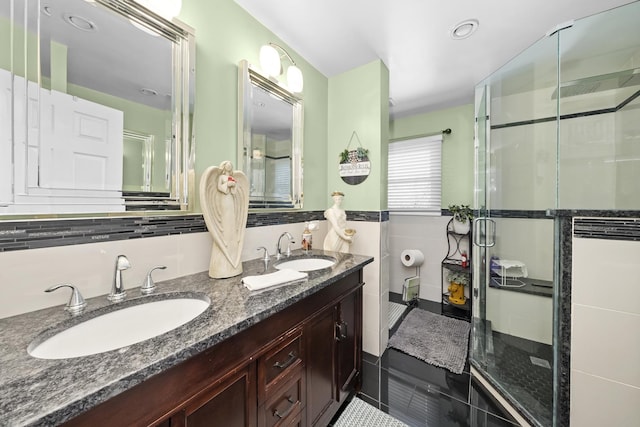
224	197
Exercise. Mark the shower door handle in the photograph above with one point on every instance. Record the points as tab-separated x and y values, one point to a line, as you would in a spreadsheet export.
476	232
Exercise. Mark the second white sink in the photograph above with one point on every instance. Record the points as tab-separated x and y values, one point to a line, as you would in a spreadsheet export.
119	328
306	264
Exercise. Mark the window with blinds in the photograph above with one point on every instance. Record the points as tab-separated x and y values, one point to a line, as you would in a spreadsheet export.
415	175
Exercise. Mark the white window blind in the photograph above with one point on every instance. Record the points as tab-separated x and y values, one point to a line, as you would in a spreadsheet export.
415	175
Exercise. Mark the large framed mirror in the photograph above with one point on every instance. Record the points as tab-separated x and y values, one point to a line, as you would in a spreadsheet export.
97	102
270	129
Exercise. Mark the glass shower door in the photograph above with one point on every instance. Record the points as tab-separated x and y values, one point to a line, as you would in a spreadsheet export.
513	233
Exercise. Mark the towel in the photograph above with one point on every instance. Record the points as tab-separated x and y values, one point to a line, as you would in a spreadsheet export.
280	277
511	268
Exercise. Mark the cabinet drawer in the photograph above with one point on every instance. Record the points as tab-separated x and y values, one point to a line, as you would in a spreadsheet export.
278	362
284	405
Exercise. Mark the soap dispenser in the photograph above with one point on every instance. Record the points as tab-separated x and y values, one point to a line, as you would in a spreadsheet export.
307	238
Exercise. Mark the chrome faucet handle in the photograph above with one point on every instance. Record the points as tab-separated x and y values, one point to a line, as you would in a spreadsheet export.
265	258
76	303
148	286
289	247
117	290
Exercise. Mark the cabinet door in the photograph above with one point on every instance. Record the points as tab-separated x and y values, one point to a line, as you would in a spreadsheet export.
349	339
230	403
321	366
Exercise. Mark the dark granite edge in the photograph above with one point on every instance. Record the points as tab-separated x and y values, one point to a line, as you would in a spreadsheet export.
134	378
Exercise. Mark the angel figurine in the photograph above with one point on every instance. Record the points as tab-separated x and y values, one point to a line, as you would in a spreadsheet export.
224	196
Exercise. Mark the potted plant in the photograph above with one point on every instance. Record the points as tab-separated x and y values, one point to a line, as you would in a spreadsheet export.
462	215
457	282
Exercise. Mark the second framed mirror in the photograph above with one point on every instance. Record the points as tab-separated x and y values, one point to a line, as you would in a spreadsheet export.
270	122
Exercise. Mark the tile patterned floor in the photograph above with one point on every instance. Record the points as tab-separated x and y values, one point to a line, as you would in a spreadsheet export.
423	395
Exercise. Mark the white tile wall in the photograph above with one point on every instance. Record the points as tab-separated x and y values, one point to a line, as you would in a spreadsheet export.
605	344
427	234
521	315
25	274
597	402
368	242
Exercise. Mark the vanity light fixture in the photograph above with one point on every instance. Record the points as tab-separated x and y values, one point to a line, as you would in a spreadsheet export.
270	62
464	29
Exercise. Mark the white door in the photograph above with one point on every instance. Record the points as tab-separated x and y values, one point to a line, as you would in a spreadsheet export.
82	149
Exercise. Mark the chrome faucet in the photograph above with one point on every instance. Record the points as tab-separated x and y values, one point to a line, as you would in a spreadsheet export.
148	286
76	303
117	290
278	251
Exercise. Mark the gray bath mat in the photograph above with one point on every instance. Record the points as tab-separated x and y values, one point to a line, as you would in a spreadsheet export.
361	414
438	340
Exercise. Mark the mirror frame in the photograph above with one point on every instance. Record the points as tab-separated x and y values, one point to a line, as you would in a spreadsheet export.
183	53
248	76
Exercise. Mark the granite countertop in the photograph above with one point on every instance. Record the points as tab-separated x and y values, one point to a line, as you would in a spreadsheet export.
48	392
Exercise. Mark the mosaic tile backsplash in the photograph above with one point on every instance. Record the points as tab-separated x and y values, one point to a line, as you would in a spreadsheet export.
22	235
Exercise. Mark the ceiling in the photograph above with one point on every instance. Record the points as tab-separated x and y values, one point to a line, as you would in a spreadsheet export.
428	70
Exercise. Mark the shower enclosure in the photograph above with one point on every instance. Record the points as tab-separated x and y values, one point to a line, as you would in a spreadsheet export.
556	137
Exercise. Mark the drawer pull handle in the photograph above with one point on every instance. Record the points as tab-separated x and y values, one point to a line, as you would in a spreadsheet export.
289	361
341	331
289	409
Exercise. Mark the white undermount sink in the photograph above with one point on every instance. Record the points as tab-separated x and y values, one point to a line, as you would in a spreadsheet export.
119	328
306	264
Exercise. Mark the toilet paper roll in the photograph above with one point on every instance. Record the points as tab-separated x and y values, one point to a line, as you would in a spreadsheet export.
412	258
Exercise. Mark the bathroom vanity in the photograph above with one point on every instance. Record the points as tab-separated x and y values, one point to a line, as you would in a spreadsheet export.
288	355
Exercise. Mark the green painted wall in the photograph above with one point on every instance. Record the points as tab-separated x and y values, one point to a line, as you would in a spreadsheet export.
226	34
358	101
457	148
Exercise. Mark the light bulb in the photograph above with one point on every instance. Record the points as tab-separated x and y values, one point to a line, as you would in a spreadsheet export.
294	79
270	60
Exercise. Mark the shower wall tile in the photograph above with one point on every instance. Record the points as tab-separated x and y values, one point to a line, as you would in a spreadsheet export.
601	402
606	344
603	262
605	320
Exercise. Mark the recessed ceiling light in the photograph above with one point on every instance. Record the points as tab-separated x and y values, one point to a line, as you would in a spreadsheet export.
46	10
79	22
149	92
464	29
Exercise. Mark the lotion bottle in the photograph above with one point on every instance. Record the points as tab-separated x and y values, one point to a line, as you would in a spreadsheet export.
307	238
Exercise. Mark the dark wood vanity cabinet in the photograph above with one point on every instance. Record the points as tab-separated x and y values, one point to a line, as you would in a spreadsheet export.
294	368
